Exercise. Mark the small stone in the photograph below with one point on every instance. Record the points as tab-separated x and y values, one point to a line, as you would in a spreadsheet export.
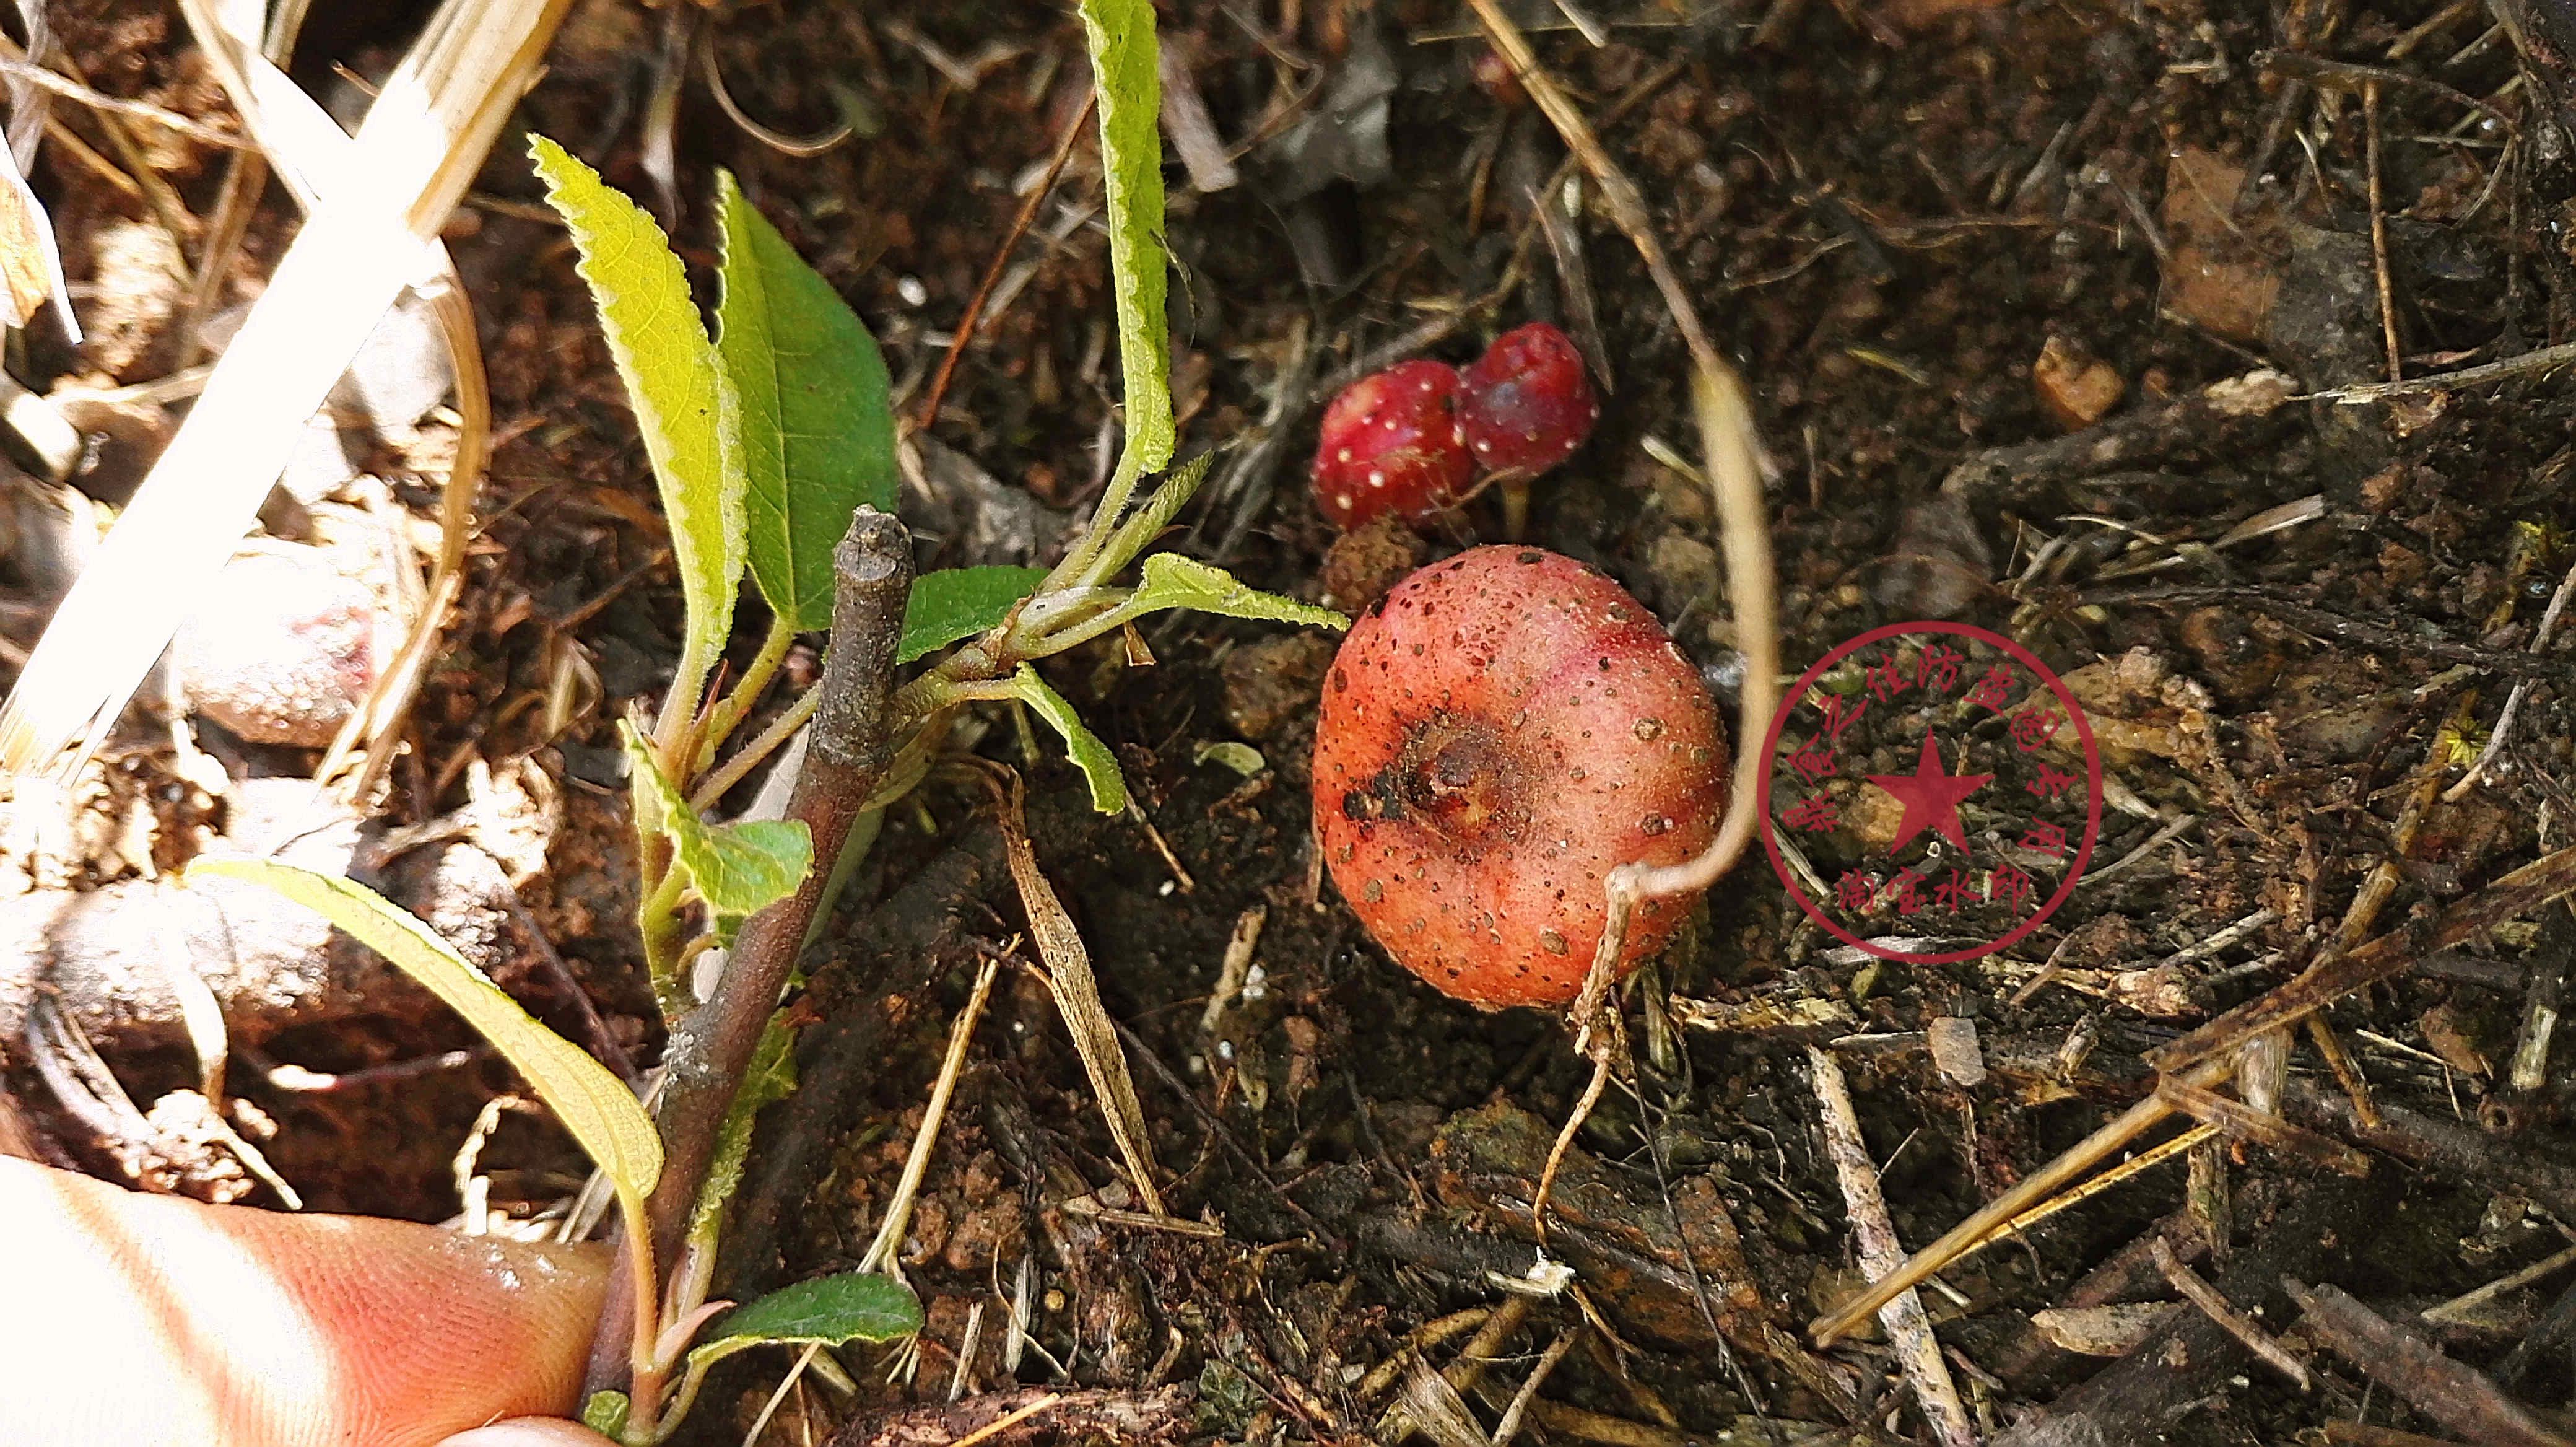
2078	388
1953	1039
282	649
2219	270
1684	569
2104	1331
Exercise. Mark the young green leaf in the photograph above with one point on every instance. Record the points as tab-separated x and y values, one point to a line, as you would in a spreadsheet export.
1099	767
595	1106
808	388
1146	523
738	869
606	1412
1173	581
1126	70
669	368
956	603
828	1310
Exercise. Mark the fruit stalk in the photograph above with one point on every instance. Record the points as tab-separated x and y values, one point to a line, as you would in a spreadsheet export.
1735	475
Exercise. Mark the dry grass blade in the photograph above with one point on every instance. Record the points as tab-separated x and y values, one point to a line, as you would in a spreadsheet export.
423	140
881	1254
2011	1205
1077	995
312	157
2517	894
1918	1353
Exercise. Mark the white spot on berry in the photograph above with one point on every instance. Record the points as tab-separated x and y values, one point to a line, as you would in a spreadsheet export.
1484	444
1342	500
1377	479
1342	456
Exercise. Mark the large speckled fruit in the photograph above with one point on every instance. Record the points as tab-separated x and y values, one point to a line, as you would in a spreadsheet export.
1498	733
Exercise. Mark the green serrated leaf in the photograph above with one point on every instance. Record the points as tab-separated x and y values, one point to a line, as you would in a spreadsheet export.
605	1413
956	603
1173	581
594	1105
1099	766
828	1310
1125	68
669	369
738	869
808	387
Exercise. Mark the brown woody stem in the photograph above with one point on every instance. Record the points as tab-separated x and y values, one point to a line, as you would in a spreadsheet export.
845	759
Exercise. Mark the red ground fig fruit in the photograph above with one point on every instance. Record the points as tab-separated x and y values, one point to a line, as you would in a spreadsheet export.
1391	445
1497	734
1526	404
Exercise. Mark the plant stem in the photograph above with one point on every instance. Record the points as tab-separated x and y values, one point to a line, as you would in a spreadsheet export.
844	761
645	1401
657	920
755	681
720	781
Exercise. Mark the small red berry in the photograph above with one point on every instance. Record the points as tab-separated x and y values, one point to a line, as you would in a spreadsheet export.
1497	735
1391	445
1526	404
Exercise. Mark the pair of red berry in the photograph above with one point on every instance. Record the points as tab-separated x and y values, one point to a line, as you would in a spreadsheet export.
1410	440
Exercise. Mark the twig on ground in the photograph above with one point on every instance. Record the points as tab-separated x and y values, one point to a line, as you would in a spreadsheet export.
2224	1312
1918	1353
2379	233
2531	363
71	90
2175	1371
2385	957
1510	1425
2240	1121
2443	1145
2540	637
1008	1419
2031	1191
2463	1307
2454	1395
2221	414
2342	629
973	317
